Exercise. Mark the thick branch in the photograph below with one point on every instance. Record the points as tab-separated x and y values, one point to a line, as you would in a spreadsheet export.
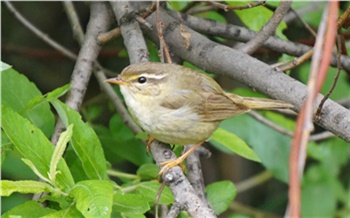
229	31
131	32
219	59
185	196
194	170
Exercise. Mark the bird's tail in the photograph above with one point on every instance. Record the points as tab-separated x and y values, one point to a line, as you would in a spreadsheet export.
264	103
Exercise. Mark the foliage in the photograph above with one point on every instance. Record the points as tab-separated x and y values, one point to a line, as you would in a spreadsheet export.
99	168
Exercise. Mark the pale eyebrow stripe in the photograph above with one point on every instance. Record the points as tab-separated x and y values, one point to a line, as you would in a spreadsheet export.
150	76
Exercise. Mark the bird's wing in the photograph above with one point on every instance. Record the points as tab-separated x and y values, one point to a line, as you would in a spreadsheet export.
209	106
218	107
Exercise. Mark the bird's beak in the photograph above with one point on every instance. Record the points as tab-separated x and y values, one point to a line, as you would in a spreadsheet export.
117	80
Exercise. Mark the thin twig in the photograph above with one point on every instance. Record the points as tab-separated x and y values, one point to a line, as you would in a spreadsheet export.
201	9
307	26
39	33
298	61
269	123
269	28
253	181
157	199
326	96
241	7
321	136
251	211
343	18
73	18
163	46
107	36
149	10
189	6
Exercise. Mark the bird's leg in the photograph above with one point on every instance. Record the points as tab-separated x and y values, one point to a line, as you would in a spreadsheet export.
149	141
167	165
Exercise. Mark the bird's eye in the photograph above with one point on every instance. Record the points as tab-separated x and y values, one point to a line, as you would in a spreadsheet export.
142	80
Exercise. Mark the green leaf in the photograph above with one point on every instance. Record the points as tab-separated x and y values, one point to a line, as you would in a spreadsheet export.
342	84
27	210
213	15
94	198
332	153
34	146
75	165
17	91
55	94
272	147
220	195
150	189
319	193
85	142
125	146
58	152
130	203
234	144
8	187
58	92
148	171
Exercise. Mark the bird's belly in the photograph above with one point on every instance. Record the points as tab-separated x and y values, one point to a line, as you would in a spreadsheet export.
170	128
184	136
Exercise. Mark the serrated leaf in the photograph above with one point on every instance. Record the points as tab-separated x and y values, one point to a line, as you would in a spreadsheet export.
148	171
29	207
17	91
58	152
85	142
33	145
94	198
150	189
8	187
130	203
234	144
220	195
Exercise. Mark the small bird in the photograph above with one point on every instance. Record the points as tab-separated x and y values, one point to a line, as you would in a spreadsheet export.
178	105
